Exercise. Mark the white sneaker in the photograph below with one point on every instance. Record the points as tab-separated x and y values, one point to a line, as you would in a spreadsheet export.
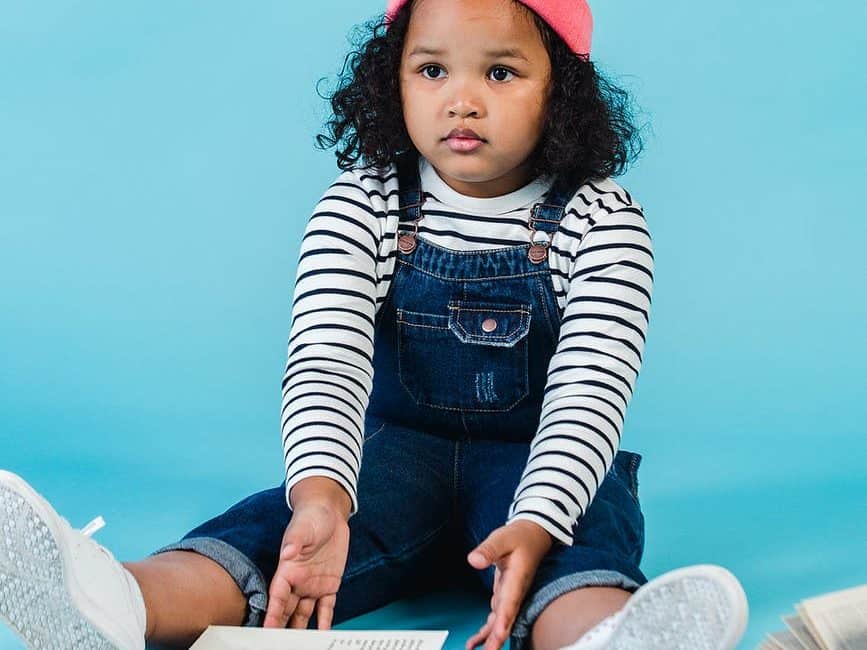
699	607
597	637
58	587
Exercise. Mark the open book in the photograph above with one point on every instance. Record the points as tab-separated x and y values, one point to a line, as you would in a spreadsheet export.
832	621
218	637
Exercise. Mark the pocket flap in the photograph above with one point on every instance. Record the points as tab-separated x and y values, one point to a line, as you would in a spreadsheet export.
489	323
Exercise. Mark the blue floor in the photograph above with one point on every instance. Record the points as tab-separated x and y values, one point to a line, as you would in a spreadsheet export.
797	539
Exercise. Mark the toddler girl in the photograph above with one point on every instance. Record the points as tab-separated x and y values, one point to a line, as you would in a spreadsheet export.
470	313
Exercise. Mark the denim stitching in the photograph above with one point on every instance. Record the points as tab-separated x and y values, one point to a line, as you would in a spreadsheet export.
523	353
624	483
475	252
381	308
520	330
472	279
633	474
549	319
499	311
503	341
428	327
419	318
400	353
526	384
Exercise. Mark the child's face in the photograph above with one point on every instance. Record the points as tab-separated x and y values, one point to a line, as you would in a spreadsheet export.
468	84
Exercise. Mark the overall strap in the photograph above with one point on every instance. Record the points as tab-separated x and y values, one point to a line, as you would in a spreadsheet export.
409	184
546	215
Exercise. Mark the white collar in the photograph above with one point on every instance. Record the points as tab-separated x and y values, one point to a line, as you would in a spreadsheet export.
515	200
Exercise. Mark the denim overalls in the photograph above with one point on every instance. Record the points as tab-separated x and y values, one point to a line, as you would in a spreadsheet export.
461	351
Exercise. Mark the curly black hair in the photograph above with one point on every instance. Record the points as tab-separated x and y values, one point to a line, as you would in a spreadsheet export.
588	131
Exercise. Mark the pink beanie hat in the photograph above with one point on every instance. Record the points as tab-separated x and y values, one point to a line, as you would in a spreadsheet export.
571	19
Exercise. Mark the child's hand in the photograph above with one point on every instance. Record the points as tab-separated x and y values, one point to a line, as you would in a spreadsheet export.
516	549
312	560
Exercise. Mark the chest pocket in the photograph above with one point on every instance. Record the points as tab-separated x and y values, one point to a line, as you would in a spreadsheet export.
472	359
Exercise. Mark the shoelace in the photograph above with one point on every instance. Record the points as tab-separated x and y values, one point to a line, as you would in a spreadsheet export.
88	531
93	526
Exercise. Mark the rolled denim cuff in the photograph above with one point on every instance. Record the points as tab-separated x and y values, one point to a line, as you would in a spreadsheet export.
520	635
247	576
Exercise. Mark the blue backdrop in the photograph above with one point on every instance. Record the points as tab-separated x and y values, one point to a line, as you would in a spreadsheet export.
157	169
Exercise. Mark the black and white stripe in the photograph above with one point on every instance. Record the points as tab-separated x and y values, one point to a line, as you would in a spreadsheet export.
601	261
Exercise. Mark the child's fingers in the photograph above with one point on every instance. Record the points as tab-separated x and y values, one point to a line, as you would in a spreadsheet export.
512	591
325	611
482	634
278	612
281	602
495	596
495	546
492	642
480	637
301	616
498	634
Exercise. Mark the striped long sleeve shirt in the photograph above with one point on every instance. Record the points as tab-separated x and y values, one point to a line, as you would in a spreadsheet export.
601	264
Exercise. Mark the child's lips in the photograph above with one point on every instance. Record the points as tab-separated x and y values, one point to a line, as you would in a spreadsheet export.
460	144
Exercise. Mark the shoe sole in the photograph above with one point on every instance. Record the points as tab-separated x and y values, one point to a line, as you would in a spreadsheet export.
701	607
35	594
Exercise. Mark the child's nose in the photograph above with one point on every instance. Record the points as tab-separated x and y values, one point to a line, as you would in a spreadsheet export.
463	112
464	100
464	107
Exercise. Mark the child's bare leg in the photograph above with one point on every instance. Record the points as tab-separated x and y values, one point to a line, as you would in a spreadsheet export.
697	606
184	592
569	616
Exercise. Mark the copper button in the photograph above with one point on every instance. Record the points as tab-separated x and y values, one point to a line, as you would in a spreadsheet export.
489	325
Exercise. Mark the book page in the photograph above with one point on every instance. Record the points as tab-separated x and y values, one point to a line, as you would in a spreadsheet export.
784	640
838	619
811	628
799	629
221	637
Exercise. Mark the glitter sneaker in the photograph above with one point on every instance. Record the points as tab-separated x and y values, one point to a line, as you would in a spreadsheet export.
699	607
58	587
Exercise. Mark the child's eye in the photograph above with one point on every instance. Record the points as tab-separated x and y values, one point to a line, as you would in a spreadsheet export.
430	67
500	69
500	73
